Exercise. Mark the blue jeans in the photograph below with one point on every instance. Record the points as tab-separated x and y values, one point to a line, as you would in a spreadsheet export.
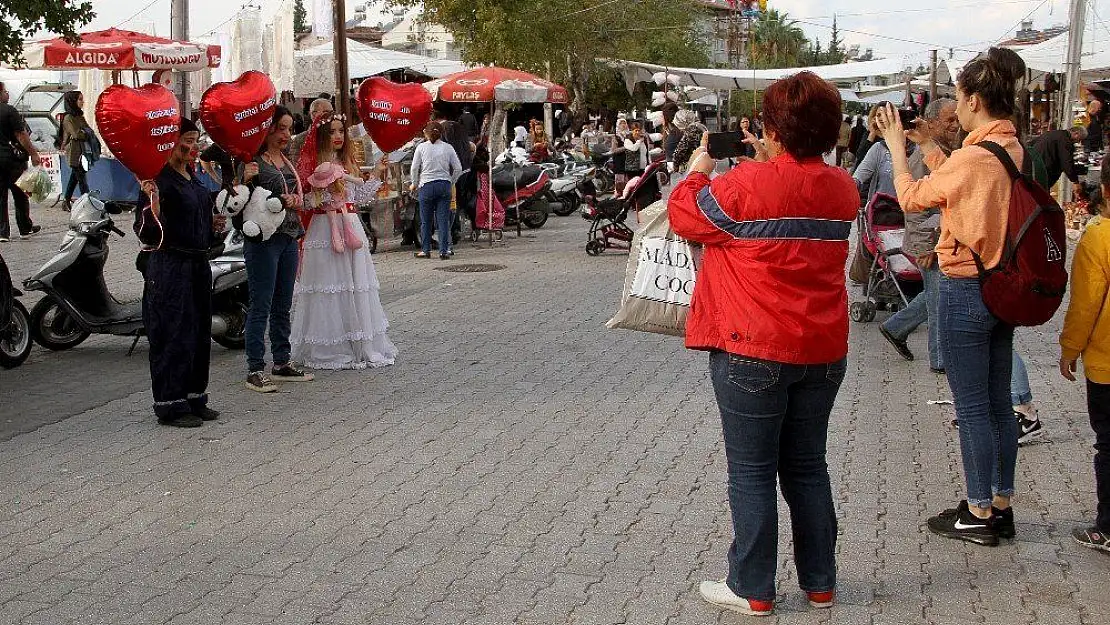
435	201
978	351
271	274
1020	392
921	309
775	419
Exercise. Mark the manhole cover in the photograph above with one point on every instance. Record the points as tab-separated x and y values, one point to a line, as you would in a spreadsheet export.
471	268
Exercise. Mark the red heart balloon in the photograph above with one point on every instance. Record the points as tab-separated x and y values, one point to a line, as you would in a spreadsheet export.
140	126
237	114
393	113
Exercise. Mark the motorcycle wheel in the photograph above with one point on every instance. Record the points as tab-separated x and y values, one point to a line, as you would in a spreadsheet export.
15	340
235	309
535	217
53	328
569	205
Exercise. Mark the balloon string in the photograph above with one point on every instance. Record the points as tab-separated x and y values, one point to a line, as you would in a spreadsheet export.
155	208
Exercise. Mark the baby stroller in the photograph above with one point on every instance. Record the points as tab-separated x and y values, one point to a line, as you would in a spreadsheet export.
607	215
894	278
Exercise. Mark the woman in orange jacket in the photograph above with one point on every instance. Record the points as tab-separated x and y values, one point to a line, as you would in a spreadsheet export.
972	189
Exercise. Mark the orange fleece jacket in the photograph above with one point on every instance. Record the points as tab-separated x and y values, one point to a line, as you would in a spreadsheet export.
972	189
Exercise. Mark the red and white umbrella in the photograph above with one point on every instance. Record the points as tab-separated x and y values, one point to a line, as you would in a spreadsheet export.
480	85
115	49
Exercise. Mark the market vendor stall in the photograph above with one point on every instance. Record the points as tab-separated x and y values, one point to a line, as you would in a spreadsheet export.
496	85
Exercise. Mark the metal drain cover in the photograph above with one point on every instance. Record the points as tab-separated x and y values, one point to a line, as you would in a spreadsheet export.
471	268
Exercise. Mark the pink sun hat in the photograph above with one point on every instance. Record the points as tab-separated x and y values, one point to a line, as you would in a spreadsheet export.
325	174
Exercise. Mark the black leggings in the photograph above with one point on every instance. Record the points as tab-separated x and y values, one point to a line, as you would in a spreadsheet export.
77	176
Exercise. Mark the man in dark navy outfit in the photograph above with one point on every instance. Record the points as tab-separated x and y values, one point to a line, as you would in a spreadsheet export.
176	233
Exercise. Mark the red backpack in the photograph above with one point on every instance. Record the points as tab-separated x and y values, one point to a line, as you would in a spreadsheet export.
1028	284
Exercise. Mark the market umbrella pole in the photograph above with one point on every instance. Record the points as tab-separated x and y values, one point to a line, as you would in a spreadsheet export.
489	172
179	30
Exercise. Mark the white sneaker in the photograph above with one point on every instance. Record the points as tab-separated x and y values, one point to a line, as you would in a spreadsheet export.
719	594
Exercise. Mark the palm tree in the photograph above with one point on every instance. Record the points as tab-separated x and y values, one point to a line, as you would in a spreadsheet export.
776	41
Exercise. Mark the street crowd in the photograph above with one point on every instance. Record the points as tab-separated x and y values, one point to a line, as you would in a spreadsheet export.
770	305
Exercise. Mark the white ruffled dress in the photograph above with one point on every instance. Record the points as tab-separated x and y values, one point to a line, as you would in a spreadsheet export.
338	319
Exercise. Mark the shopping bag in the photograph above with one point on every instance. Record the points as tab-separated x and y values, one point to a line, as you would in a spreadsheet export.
659	280
36	183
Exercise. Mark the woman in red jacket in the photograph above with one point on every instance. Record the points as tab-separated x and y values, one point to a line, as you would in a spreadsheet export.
771	307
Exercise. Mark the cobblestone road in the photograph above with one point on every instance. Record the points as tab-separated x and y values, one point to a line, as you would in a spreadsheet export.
520	464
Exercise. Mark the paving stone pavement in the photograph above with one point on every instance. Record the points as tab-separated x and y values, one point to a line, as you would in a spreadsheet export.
519	465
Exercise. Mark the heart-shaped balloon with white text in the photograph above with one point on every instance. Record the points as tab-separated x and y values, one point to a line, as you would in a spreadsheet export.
140	126
393	113
237	115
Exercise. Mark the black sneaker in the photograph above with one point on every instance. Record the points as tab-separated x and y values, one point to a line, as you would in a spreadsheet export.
289	373
207	414
1028	429
182	421
1092	538
34	230
961	524
903	349
1003	521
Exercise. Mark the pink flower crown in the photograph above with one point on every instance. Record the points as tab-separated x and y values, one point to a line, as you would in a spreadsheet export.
329	118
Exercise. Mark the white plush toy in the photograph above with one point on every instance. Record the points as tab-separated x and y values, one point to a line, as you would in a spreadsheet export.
231	204
263	214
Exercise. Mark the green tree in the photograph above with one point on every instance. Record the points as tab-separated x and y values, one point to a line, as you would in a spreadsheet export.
569	40
25	18
300	17
777	41
836	53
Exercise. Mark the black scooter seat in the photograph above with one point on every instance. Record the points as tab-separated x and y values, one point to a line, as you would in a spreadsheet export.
510	178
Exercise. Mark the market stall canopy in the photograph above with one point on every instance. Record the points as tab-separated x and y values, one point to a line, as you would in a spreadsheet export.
315	66
844	73
115	49
1049	57
480	85
524	91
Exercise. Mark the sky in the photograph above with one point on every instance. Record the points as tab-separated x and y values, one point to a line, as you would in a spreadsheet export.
905	29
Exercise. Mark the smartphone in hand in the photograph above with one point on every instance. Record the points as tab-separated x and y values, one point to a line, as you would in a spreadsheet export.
908	117
724	145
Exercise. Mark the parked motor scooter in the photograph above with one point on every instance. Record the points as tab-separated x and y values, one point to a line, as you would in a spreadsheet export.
15	325
78	302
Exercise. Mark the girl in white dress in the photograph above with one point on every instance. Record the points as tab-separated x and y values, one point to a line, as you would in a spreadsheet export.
338	319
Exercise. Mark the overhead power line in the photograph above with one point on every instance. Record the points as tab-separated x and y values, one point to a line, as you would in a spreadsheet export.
1007	32
137	13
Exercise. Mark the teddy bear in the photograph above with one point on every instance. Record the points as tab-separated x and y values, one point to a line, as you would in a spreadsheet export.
262	212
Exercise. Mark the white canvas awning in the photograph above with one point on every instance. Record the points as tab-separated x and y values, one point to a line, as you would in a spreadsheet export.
315	67
844	73
1050	56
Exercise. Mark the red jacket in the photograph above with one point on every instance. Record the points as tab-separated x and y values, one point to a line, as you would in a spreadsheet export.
771	283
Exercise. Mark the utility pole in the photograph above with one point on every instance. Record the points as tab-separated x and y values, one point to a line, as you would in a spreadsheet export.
1077	24
339	50
932	76
179	30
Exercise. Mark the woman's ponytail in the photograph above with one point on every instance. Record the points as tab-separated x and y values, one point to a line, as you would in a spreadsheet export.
994	79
